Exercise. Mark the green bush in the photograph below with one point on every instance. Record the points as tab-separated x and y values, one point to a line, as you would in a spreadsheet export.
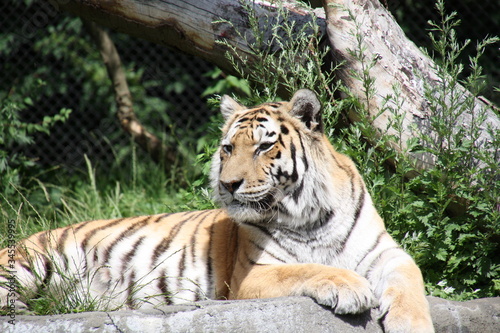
16	133
457	250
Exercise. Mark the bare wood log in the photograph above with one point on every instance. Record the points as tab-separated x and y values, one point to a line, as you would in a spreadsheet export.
366	25
190	26
186	25
159	152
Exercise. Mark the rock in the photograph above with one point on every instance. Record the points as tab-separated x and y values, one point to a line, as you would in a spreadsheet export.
480	315
288	314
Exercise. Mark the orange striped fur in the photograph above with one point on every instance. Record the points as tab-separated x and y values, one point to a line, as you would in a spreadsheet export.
296	220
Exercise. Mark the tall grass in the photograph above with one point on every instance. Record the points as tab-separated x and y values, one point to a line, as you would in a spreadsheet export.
134	186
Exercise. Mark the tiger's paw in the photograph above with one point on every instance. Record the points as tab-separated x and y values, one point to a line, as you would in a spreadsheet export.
411	323
413	316
345	292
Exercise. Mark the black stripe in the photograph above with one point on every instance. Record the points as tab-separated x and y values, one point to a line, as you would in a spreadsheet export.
298	191
197	294
209	266
26	268
47	275
360	203
161	217
304	157
130	288
165	243
91	234
95	257
296	236
62	240
42	238
270	235
318	224
61	247
346	169
294	174
49	271
377	259
81	225
273	133
65	260
193	241
130	254
280	140
128	257
357	212
94	231
182	264
132	229
162	285
264	250
377	242
284	129
282	209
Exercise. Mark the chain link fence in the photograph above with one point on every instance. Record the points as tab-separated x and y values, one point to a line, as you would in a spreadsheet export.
37	43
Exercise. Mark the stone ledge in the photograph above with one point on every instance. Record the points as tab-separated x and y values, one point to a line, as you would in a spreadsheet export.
289	314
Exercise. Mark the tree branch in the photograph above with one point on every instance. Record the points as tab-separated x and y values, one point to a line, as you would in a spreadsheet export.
159	152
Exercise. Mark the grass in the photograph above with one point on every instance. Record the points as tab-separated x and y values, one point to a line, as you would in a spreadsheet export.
134	186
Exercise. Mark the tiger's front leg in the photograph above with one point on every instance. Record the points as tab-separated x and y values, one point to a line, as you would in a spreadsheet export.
402	303
343	290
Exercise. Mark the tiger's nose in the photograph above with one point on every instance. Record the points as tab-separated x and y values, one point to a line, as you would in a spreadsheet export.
232	186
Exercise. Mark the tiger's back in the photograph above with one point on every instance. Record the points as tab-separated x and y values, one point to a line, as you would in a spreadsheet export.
137	262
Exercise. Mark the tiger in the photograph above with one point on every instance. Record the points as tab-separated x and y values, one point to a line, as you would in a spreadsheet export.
296	220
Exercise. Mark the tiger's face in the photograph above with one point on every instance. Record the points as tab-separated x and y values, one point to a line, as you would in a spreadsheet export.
259	171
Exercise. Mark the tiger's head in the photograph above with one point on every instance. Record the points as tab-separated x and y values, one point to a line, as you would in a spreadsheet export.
270	166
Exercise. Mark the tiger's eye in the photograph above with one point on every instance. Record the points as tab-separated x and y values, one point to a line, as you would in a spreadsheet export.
265	146
228	149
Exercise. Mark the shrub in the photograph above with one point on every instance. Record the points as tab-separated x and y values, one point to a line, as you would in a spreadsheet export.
457	251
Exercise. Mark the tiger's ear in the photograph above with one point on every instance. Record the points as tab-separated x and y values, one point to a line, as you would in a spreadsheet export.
228	106
306	107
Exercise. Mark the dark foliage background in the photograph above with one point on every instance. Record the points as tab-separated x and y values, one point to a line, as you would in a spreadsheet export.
37	42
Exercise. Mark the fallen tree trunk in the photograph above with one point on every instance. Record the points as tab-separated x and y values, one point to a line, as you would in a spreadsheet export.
366	38
191	26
